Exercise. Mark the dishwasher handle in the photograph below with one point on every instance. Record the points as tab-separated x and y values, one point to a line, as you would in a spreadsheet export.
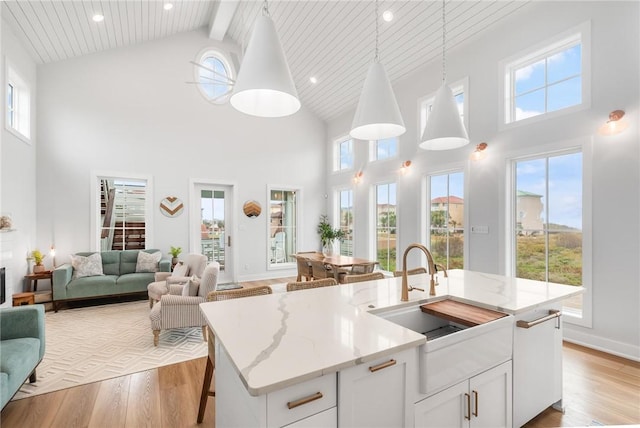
553	314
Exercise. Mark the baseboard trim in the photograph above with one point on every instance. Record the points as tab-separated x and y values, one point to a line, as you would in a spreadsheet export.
609	346
268	275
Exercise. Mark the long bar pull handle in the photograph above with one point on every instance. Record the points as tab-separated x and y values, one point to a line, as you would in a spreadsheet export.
475	403
305	400
229	241
553	314
468	413
382	366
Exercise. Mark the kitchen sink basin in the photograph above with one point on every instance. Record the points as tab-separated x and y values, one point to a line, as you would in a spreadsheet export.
456	349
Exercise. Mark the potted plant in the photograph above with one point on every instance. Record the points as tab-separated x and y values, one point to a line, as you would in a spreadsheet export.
328	235
175	252
37	258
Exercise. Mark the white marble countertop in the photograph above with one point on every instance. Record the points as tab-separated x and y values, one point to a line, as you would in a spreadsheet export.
282	339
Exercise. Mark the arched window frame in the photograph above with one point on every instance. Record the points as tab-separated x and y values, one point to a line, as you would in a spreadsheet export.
223	57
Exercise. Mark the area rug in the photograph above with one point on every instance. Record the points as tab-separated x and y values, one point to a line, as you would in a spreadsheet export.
91	344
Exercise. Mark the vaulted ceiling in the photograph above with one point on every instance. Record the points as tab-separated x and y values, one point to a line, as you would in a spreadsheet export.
332	41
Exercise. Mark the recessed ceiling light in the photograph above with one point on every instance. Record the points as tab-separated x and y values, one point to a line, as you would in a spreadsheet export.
313	80
387	15
168	6
98	17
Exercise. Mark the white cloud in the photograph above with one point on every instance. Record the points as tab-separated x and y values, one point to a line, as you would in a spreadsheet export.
525	72
523	114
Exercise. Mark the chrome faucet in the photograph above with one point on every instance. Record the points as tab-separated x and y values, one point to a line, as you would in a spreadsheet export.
432	272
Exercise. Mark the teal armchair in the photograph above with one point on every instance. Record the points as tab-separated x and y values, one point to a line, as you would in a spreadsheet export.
21	347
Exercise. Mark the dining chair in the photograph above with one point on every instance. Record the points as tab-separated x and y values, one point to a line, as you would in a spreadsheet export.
350	279
415	271
321	271
360	268
216	296
304	269
295	286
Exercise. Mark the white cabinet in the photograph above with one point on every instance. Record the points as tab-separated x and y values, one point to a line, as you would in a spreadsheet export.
306	404
379	393
482	401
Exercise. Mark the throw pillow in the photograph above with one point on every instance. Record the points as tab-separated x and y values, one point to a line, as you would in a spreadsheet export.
86	266
180	269
191	287
148	262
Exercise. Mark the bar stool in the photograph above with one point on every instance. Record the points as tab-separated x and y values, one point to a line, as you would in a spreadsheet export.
316	283
350	279
216	296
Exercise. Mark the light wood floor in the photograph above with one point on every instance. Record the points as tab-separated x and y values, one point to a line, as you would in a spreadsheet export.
598	389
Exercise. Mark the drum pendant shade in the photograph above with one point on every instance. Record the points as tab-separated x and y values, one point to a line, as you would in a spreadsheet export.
264	86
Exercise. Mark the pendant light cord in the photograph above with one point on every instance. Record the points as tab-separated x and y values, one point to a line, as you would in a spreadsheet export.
265	9
377	32
444	68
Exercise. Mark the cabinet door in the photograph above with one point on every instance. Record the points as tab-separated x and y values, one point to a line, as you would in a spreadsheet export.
378	394
449	408
326	419
491	397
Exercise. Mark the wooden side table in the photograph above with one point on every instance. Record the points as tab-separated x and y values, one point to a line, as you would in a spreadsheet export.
20	299
34	277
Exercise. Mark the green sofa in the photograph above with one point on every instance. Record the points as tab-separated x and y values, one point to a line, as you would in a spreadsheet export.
21	347
120	278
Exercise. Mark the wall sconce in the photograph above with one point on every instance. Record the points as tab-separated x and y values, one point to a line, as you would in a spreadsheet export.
615	124
478	153
405	167
358	177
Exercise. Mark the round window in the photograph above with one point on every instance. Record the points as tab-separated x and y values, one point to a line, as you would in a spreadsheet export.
214	75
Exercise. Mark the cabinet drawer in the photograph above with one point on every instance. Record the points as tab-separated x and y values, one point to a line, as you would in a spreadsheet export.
302	400
326	419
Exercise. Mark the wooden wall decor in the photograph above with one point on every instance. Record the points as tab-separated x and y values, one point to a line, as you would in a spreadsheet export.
171	206
252	209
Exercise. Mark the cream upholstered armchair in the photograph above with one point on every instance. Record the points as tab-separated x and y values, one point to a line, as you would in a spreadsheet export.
193	264
180	307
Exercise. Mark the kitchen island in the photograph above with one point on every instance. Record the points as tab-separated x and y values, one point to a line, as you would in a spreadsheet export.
329	357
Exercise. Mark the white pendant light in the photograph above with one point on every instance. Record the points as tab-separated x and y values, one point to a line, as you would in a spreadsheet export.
264	86
377	115
444	129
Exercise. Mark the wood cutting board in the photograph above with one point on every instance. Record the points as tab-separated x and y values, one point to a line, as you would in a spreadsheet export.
461	313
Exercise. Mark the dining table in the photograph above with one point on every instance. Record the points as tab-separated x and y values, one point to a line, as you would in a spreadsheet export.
336	261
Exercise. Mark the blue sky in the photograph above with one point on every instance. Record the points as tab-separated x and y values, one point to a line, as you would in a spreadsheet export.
561	72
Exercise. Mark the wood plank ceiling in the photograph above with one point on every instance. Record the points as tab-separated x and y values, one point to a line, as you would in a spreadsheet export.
331	40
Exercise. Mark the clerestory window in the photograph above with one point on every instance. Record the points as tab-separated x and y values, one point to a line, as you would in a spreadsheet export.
547	79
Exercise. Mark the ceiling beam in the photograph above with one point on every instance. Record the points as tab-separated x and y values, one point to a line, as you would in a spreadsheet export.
221	18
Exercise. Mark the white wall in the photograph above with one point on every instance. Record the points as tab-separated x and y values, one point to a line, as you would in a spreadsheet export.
129	110
616	181
18	174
